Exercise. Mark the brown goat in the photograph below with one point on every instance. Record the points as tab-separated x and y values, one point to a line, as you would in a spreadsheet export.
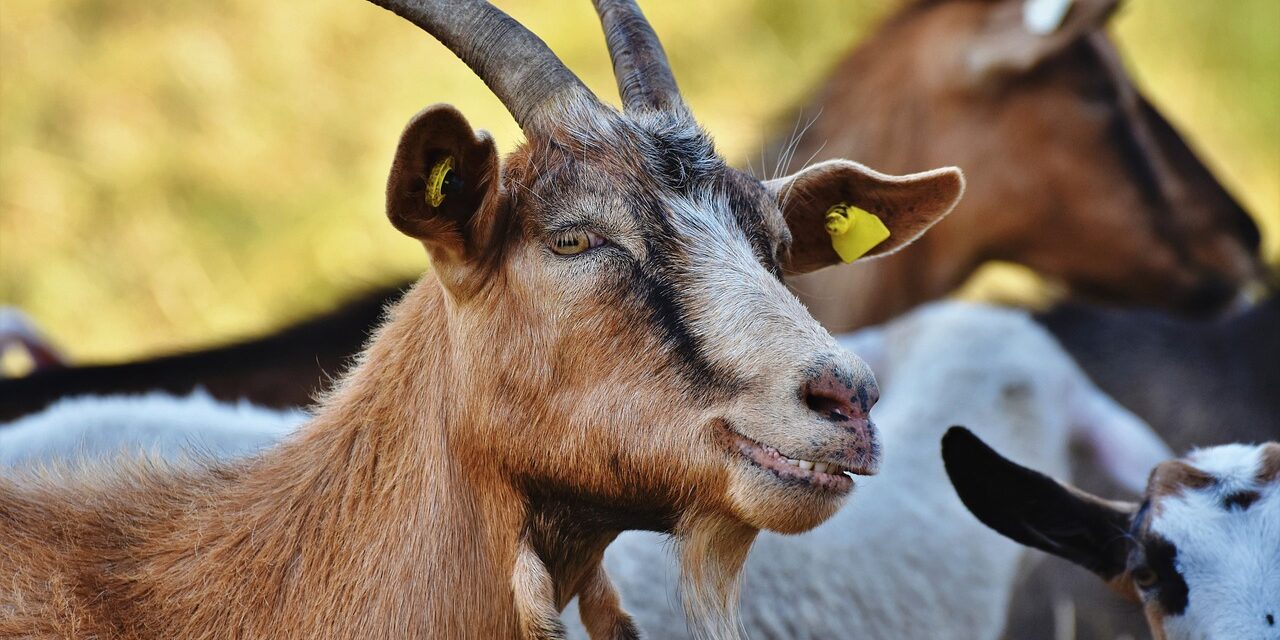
604	343
1072	172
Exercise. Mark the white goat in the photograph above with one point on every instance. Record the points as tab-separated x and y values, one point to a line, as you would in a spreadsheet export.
1201	552
101	427
905	559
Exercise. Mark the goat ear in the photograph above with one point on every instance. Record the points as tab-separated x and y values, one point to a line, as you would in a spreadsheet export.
1033	509
906	205
442	184
1018	35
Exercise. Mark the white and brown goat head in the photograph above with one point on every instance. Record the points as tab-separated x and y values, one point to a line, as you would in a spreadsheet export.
1201	552
617	291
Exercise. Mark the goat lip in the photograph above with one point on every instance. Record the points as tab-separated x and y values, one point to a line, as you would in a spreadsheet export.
834	480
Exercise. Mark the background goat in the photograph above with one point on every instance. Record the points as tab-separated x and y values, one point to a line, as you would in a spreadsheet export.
159	424
1062	152
1201	552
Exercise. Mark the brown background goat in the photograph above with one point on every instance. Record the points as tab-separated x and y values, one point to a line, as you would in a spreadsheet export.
1072	172
604	343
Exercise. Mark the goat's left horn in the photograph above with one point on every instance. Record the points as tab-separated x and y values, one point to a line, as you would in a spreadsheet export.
639	63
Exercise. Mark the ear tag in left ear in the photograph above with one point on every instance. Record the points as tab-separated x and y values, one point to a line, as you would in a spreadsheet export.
436	180
854	231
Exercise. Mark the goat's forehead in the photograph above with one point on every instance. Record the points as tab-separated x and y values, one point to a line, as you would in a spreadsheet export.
1229	487
645	170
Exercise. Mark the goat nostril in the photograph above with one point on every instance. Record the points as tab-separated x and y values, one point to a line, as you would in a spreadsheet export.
1271	620
830	408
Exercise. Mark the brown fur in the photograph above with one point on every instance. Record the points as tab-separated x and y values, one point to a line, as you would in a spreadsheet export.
1071	171
1269	471
1173	477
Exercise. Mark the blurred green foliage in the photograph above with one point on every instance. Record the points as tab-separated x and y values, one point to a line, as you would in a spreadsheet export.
184	172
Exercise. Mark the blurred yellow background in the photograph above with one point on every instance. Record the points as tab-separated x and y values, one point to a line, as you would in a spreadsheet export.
182	172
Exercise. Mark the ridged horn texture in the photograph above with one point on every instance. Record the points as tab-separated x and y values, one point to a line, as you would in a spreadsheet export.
644	76
516	64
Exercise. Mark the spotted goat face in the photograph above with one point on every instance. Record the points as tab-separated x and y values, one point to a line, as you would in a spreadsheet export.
1201	552
616	288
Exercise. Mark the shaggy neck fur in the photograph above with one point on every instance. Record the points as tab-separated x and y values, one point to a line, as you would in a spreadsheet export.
370	522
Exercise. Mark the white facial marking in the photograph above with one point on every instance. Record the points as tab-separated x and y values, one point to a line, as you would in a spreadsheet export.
745	316
1229	556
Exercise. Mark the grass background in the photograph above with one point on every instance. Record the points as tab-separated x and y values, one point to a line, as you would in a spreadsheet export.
184	172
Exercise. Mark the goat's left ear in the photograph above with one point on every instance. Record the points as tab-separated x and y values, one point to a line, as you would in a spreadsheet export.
906	205
1035	510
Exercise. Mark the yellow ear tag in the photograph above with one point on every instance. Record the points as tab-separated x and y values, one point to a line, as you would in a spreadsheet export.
853	231
435	181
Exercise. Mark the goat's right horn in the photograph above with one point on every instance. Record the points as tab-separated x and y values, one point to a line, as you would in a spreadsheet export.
516	64
639	63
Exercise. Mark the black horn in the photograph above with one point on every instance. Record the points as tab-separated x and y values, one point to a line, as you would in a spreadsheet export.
639	63
516	64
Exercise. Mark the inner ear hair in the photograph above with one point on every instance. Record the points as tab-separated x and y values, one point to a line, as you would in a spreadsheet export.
907	205
1035	510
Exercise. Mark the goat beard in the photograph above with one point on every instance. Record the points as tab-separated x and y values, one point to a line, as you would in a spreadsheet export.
713	550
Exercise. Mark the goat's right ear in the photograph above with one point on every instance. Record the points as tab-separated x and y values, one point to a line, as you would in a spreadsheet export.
442	184
1035	510
906	206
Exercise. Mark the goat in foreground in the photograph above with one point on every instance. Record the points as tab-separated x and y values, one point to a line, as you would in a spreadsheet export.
1201	552
604	343
876	569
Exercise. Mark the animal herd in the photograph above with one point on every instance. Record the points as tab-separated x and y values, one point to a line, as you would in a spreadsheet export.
614	406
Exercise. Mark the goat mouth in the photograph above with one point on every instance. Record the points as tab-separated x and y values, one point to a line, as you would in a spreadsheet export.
821	476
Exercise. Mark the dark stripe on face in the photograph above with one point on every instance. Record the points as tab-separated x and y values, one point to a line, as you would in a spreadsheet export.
657	282
1171	589
1241	500
746	198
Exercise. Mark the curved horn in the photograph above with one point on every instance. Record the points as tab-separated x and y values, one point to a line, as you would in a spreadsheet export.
639	63
516	64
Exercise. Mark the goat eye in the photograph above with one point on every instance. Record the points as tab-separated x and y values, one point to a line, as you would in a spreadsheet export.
1144	577
570	243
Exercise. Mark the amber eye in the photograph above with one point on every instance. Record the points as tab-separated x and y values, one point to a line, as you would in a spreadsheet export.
1144	577
570	243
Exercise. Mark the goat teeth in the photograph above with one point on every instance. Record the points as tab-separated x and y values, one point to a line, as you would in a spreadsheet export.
806	465
820	467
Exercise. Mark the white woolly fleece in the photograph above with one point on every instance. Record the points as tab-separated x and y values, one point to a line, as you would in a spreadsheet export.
100	427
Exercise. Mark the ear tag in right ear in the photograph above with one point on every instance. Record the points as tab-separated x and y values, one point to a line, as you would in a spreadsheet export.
854	231
436	180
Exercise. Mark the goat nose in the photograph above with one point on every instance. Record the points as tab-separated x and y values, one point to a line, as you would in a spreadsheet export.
836	394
